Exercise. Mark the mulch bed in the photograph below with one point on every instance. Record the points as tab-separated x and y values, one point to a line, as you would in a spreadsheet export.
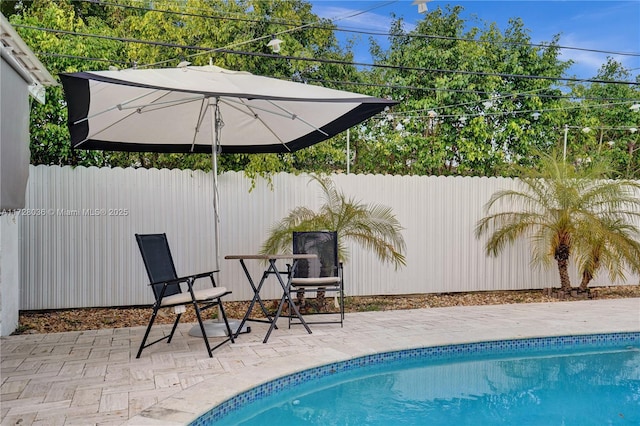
54	321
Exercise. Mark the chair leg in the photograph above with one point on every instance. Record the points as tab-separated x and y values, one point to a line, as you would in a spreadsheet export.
204	332
146	333
173	329
341	308
226	321
289	312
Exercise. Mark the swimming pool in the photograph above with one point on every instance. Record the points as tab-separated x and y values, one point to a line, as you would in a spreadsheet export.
495	379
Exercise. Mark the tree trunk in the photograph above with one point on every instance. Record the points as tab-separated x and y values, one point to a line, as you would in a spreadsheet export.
565	281
586	279
562	257
302	304
587	274
321	299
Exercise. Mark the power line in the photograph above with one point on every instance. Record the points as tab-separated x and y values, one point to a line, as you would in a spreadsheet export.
328	61
61	55
390	86
230	18
386	85
472	40
474	92
433	70
275	34
164	44
114	38
365	32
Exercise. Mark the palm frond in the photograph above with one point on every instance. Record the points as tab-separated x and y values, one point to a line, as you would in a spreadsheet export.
374	227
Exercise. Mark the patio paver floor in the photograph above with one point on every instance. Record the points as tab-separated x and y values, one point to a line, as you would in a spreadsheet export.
93	377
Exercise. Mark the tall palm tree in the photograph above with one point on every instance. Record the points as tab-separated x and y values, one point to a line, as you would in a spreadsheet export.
373	226
564	211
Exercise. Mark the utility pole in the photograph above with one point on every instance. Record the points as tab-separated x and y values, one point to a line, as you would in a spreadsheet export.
564	150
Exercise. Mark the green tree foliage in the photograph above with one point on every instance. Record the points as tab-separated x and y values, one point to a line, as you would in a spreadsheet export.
469	122
567	211
605	126
49	133
473	100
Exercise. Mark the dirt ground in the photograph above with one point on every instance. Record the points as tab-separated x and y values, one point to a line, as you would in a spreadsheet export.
54	321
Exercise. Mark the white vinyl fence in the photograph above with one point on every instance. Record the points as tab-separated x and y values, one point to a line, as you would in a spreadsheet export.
78	247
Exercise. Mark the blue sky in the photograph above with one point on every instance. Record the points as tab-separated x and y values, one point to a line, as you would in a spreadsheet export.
601	25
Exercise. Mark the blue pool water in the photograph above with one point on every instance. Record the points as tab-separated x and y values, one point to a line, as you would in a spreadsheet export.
570	380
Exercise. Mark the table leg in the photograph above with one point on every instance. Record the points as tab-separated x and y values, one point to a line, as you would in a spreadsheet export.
256	298
286	296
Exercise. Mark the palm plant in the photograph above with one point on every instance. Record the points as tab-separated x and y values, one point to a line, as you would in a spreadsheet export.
565	210
372	226
614	247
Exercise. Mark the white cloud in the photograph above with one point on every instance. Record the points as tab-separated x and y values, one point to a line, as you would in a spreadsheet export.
344	17
356	18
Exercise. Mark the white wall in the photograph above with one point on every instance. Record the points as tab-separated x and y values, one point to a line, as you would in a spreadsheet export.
9	273
78	247
14	172
21	74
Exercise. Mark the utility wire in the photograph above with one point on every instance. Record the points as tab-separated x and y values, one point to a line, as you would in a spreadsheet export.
472	40
474	92
409	114
433	70
365	32
61	55
403	113
277	33
386	85
241	43
114	38
230	18
323	60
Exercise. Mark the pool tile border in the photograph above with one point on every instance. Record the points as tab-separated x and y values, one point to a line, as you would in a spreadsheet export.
434	353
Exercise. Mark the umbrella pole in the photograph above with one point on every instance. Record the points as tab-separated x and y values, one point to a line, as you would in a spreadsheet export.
216	328
216	124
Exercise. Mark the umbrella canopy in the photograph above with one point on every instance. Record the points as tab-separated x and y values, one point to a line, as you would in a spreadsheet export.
183	110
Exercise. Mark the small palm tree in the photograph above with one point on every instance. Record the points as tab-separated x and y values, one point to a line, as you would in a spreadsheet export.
565	210
614	247
373	226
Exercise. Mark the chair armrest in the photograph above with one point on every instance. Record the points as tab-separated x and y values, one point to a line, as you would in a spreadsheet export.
203	274
173	281
186	278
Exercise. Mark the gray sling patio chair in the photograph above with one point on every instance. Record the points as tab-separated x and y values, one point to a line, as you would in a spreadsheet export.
168	292
321	275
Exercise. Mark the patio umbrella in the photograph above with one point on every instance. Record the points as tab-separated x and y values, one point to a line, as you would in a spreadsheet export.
181	110
186	110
